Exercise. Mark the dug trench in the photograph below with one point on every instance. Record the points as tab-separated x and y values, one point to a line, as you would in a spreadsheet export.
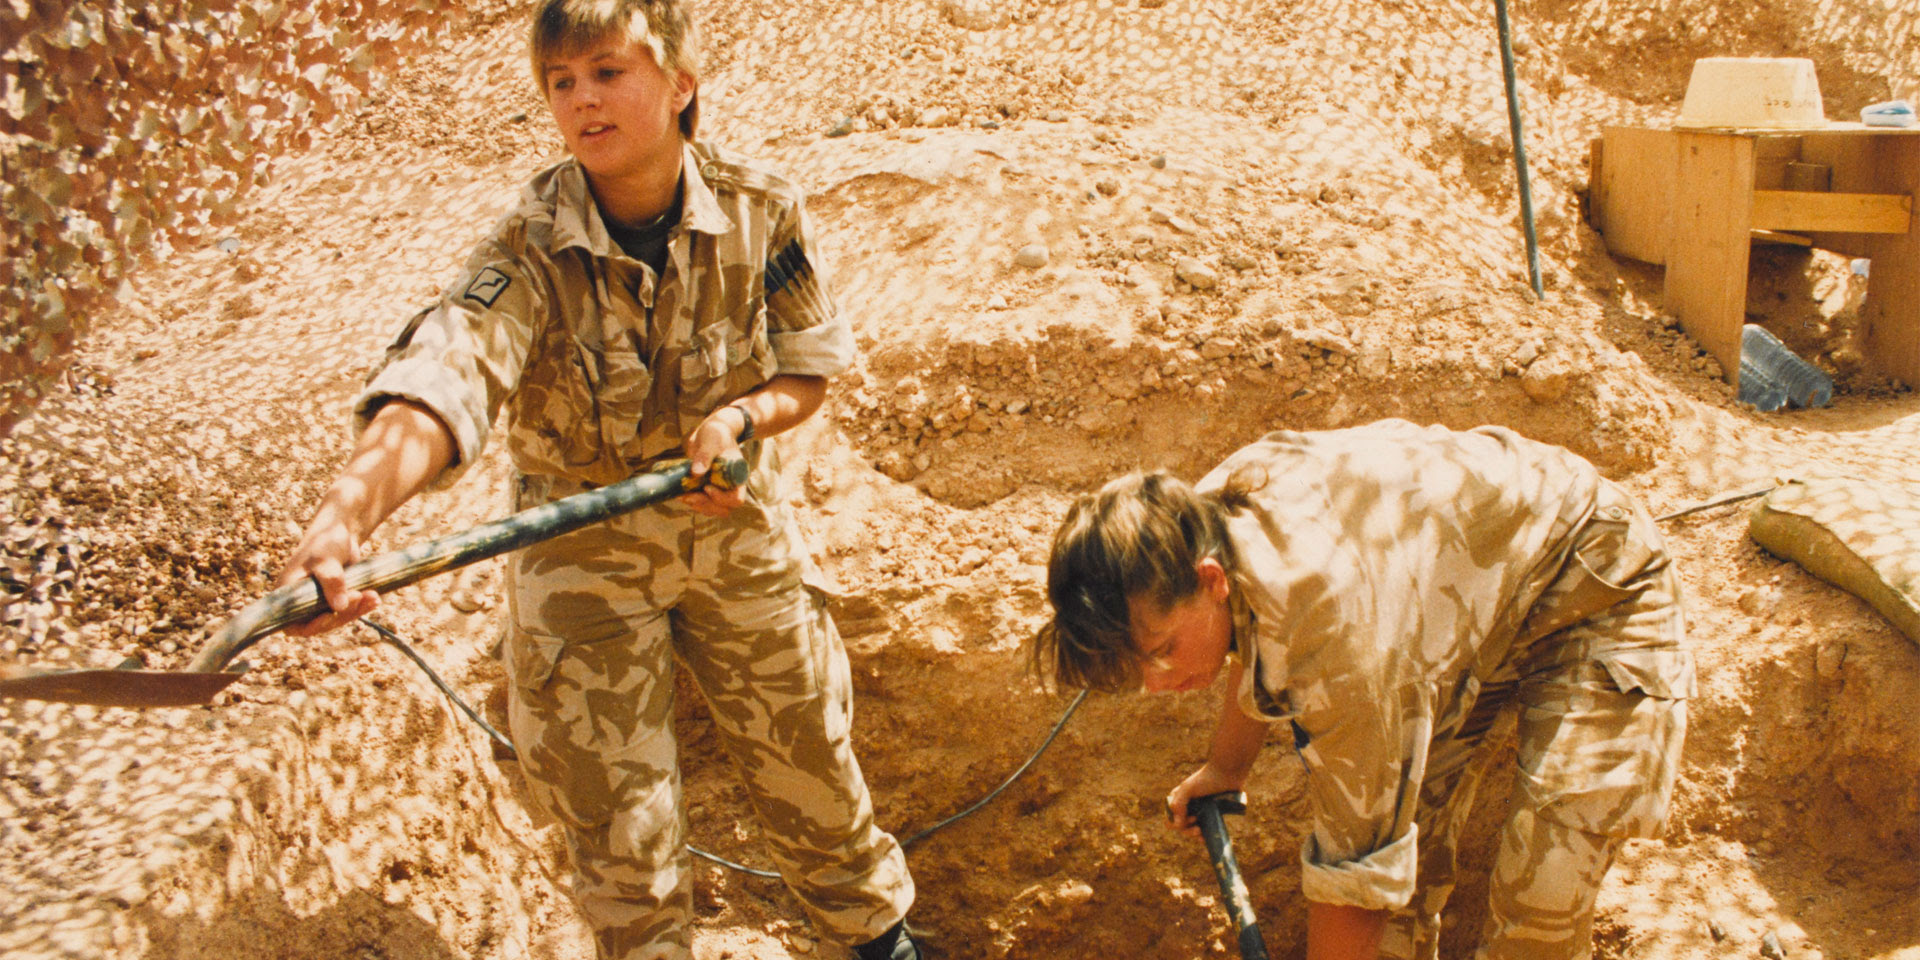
1235	258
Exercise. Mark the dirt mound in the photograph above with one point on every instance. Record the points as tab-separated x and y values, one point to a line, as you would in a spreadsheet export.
1074	238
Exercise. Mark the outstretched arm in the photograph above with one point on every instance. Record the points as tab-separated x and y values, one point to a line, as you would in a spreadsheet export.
403	448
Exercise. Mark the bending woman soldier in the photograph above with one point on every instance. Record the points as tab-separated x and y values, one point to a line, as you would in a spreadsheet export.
1388	591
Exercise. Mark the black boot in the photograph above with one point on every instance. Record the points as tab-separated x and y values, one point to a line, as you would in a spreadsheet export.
896	944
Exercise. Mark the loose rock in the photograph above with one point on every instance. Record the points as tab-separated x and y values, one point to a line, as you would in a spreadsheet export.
1323	339
1075	892
1032	256
1201	276
971	14
1171	219
1546	380
1828	658
1108	188
1770	947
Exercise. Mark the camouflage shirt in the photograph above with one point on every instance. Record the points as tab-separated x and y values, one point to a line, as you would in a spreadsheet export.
603	366
1384	573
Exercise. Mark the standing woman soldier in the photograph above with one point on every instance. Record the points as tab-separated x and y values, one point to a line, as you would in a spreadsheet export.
650	297
1387	590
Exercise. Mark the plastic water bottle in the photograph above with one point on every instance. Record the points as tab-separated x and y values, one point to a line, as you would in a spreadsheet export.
1892	113
1772	376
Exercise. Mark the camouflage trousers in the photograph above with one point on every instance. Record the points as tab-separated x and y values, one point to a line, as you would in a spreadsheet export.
1600	684
599	618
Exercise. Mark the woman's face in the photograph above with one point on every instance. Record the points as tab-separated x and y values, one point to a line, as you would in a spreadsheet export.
1183	646
618	111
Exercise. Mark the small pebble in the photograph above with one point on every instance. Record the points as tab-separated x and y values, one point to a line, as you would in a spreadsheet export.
1217	348
841	129
1032	256
1770	947
1108	187
1076	892
1717	931
1201	276
1159	161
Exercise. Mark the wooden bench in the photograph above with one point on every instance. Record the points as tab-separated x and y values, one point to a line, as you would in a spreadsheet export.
1694	200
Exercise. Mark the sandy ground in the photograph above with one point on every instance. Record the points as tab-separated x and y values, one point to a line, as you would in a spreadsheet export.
1254	215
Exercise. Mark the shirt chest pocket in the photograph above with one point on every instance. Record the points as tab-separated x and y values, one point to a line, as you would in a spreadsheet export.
620	390
724	361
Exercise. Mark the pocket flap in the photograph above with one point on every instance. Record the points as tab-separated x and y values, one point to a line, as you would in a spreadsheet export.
1667	674
1576	595
531	657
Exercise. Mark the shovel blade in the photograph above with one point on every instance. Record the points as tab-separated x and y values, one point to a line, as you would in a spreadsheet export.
120	688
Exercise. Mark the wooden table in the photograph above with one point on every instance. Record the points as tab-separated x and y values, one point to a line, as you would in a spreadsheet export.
1694	200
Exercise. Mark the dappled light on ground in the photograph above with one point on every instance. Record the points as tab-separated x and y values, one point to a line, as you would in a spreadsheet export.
1074	238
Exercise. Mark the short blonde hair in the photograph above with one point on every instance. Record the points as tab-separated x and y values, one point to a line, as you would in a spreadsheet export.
565	28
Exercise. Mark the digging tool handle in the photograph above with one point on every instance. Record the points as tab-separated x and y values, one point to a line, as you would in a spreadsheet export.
1211	812
301	599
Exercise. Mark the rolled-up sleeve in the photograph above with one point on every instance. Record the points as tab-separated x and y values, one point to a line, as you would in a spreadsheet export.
809	337
1381	880
461	357
1364	772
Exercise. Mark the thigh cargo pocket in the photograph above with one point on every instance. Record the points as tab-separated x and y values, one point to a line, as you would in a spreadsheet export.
593	742
1600	743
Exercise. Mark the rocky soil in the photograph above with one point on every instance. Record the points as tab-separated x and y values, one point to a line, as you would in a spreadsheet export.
1075	237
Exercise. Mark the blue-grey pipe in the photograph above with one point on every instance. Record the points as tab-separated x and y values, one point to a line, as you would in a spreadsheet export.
1519	145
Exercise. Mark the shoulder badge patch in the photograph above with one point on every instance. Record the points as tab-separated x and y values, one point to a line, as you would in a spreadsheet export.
487	286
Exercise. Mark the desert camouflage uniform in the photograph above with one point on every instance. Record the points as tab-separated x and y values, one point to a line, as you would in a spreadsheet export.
1397	586
604	367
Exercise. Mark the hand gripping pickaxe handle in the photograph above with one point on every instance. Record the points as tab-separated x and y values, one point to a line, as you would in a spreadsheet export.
1210	811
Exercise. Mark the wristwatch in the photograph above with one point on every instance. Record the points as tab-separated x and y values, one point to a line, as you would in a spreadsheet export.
746	421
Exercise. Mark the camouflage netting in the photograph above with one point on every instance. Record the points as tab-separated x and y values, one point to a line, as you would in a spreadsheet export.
129	127
1859	535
